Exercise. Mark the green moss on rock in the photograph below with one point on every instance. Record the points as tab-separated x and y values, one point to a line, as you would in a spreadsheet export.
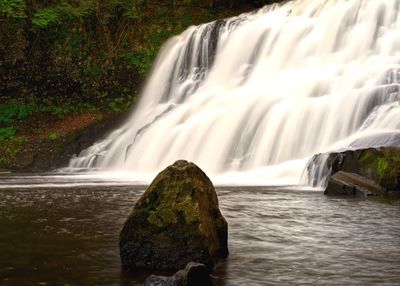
177	220
381	165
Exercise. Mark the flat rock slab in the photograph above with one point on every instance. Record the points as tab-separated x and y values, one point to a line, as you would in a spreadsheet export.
351	184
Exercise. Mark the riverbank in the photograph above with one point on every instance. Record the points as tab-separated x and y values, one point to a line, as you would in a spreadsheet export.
43	142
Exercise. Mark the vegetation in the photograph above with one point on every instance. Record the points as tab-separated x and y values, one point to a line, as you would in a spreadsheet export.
381	168
7	133
55	52
9	112
64	58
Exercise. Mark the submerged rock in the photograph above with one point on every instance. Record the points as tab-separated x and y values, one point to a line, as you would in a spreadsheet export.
177	220
194	274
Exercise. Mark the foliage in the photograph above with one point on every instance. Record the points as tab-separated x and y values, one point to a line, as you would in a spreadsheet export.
78	50
7	133
120	104
10	112
53	135
69	12
13	8
56	110
61	110
44	18
142	61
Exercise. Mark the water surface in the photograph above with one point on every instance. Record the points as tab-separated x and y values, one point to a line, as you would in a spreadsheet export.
277	236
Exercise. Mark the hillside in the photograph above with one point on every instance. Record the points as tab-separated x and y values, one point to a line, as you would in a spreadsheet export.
66	65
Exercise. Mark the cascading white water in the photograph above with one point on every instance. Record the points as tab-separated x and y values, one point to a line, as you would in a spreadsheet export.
257	95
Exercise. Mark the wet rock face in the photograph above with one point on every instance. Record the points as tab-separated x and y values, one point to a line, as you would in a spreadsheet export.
372	171
177	220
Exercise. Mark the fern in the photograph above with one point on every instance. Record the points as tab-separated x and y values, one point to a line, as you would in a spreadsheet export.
43	18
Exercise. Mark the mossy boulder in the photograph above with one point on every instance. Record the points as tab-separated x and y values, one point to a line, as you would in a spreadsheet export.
177	220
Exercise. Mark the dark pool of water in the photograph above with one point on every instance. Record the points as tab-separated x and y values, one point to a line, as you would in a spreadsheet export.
69	236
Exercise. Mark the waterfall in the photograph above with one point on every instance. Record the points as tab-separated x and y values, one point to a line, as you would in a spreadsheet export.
256	96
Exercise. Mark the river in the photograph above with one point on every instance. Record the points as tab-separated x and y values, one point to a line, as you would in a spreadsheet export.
58	234
250	99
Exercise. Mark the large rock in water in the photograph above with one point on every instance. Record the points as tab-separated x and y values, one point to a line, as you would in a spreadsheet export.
371	171
177	220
